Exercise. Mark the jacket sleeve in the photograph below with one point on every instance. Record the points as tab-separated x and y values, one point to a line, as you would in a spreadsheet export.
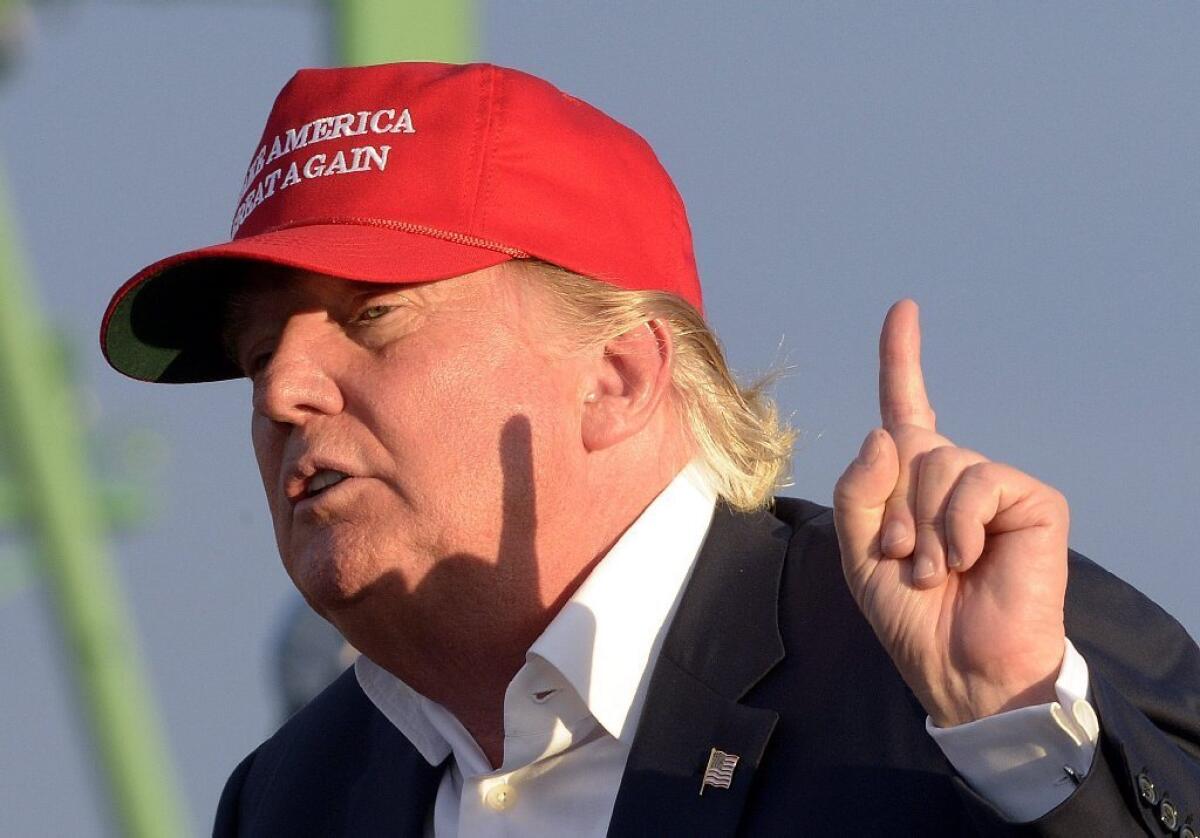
1145	686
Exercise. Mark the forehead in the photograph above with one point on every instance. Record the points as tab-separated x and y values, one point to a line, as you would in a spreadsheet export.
259	295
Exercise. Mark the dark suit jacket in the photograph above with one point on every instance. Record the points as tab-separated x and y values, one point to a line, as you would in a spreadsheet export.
769	658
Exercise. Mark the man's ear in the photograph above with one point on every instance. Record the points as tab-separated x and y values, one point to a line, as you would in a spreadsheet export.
627	384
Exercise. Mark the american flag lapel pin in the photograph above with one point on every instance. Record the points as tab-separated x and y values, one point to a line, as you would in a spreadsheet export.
719	771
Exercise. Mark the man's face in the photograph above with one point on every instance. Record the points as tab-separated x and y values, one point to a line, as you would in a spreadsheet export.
402	427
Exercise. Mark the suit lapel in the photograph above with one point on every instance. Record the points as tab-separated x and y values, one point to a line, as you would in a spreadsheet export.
723	640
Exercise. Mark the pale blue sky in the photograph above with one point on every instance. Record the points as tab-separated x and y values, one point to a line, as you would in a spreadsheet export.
1028	172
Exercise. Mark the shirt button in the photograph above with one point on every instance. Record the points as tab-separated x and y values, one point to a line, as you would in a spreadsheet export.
500	797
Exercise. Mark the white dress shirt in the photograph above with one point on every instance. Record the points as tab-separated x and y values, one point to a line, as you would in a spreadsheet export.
571	711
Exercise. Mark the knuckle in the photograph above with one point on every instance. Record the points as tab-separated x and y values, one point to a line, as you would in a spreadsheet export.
953	457
911	425
961	503
901	407
1049	495
915	437
981	474
1055	505
961	511
940	459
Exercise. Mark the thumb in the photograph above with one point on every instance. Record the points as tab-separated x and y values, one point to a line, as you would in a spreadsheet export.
859	499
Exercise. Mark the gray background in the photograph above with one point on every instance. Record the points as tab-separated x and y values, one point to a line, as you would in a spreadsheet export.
1027	172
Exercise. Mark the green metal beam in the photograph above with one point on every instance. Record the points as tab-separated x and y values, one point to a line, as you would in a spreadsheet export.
377	31
46	453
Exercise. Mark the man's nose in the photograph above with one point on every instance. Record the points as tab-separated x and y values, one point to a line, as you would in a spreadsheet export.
297	383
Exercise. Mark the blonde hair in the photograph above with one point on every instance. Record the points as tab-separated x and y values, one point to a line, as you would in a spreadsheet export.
741	440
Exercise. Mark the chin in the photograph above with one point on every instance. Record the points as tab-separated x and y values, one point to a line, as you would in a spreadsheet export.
333	580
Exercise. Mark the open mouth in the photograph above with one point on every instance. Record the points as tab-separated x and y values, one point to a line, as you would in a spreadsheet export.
323	480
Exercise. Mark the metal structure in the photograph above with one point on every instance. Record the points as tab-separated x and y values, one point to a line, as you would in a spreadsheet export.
49	497
58	504
376	31
61	510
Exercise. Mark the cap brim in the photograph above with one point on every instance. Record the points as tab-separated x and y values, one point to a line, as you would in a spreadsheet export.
165	324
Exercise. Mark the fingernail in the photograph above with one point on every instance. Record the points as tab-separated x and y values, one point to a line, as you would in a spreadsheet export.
952	557
870	449
893	534
922	567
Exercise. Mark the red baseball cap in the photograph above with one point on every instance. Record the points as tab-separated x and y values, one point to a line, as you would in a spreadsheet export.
413	172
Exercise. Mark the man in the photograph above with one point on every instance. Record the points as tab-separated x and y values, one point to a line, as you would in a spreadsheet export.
504	456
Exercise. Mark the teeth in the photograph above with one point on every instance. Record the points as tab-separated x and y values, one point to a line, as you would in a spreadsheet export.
323	479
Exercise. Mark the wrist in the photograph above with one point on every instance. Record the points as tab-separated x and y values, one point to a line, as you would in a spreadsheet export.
979	698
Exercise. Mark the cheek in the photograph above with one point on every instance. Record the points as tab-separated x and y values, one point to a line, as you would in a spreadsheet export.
268	452
448	422
264	447
468	402
436	398
443	414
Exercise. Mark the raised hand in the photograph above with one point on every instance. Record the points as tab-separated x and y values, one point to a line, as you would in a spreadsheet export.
958	563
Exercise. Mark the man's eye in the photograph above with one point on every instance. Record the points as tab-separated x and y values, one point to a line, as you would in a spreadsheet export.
256	363
372	313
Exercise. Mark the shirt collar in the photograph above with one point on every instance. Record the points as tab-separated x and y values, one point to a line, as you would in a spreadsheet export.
411	712
606	639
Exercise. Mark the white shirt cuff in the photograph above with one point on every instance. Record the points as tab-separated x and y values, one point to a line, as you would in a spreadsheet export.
1020	760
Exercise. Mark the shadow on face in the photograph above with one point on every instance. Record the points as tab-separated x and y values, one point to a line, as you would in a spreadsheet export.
487	608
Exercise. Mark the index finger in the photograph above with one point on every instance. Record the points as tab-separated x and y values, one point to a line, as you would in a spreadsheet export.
902	398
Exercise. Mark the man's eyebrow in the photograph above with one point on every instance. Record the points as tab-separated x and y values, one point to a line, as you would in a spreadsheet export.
365	290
